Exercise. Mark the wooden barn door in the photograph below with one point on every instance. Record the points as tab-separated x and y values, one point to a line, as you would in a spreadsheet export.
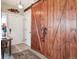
54	28
71	40
36	42
39	27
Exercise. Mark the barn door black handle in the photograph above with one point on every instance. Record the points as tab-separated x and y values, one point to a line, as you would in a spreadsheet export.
44	32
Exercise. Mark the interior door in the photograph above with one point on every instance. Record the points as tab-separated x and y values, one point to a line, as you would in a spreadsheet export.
27	27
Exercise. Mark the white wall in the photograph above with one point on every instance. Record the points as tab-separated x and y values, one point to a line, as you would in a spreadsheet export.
15	22
27	27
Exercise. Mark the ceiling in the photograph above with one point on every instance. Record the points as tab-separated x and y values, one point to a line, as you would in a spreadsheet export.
6	4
